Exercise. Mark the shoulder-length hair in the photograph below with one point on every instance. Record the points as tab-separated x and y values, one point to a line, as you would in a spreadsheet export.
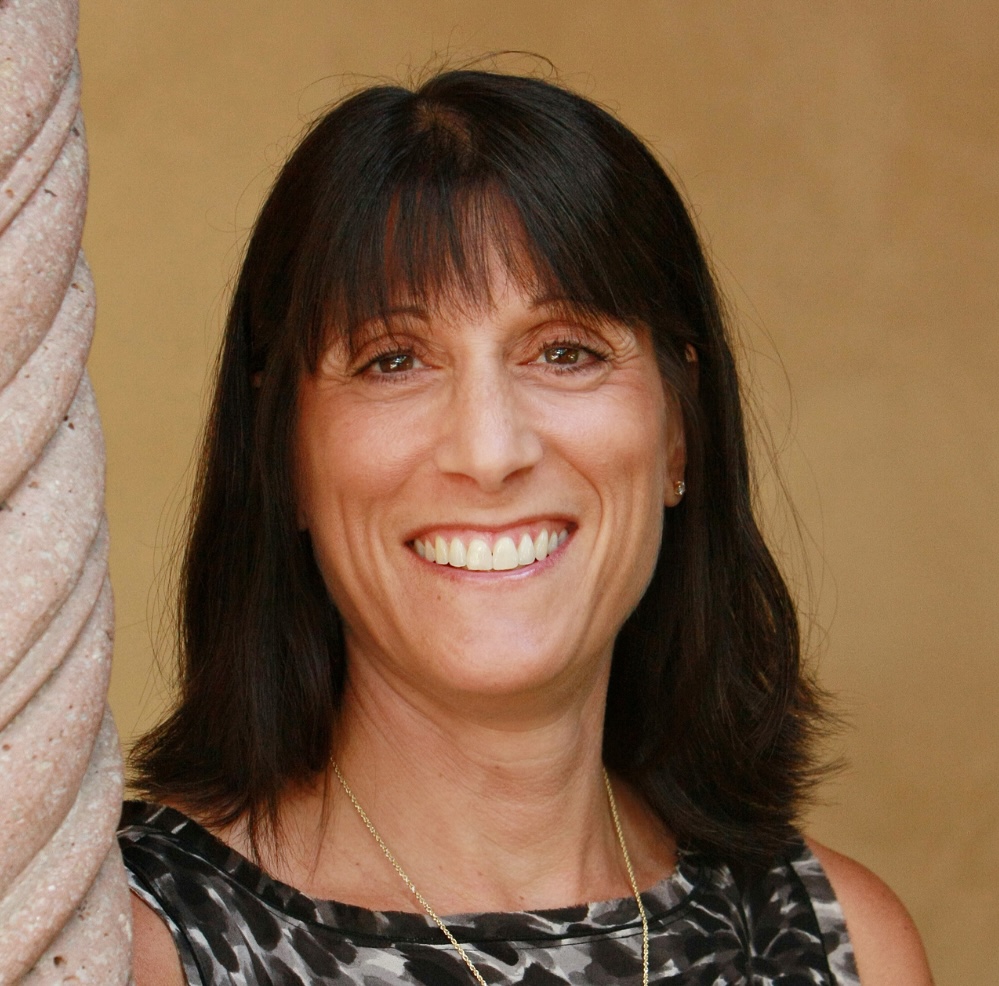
709	712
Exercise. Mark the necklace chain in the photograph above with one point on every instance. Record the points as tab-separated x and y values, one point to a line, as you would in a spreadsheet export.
444	928
631	878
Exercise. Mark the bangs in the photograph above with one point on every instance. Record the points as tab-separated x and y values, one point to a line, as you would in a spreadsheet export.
433	247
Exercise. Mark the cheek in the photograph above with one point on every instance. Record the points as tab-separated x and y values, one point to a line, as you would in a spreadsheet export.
621	446
347	459
346	467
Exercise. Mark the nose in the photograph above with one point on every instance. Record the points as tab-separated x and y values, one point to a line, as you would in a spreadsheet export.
487	433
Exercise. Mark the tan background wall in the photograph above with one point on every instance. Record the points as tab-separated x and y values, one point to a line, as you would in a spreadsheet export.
842	161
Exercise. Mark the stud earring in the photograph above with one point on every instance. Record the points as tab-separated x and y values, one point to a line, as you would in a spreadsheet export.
680	487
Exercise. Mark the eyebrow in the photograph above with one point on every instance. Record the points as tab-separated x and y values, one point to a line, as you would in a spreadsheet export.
552	300
557	304
569	308
400	310
368	325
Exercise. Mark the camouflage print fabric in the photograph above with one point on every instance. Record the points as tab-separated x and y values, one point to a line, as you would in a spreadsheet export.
233	924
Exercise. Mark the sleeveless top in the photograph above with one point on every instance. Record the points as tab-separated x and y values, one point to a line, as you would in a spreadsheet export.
234	924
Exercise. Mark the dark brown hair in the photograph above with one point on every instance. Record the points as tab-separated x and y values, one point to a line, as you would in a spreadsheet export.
709	712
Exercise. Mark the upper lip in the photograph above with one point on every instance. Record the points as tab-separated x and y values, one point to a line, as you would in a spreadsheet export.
494	529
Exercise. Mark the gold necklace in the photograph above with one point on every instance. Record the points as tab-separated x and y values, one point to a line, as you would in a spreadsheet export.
444	928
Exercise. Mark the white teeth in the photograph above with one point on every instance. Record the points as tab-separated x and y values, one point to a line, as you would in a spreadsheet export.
479	557
504	555
456	554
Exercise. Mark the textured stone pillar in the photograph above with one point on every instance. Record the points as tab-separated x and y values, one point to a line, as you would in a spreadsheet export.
63	899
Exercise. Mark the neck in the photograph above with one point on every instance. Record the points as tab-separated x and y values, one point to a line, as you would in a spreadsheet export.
502	810
511	799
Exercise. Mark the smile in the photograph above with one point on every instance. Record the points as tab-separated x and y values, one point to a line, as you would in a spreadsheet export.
476	555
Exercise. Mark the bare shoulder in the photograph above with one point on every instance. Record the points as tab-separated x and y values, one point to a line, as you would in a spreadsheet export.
887	945
155	961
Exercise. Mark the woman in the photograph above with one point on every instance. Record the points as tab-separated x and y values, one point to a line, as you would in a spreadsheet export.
480	638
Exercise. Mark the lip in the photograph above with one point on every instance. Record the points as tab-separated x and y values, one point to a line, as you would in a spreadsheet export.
493	532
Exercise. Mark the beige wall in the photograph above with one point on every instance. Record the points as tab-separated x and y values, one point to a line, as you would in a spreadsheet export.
841	159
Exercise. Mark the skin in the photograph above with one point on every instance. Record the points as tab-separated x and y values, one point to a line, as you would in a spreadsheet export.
474	700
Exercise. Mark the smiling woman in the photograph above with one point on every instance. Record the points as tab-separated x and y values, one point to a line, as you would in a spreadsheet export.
476	617
490	431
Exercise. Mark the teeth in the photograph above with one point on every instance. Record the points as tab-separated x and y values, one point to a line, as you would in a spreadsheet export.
504	556
479	557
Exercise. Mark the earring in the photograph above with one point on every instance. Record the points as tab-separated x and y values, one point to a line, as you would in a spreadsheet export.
679	487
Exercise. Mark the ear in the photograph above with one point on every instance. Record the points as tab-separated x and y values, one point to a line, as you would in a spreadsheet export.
693	369
676	441
676	458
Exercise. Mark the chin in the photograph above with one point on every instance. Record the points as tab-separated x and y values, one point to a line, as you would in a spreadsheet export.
507	675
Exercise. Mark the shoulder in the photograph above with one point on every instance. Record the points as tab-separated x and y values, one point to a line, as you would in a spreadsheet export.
163	845
160	865
885	940
155	961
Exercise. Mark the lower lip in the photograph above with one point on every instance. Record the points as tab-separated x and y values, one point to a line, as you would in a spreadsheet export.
493	575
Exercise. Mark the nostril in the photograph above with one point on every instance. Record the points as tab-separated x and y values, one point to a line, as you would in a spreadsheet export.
491	453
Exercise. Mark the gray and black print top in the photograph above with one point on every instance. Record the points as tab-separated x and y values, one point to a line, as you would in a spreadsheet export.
233	924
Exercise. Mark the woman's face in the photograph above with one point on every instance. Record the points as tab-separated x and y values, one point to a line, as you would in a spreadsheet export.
483	485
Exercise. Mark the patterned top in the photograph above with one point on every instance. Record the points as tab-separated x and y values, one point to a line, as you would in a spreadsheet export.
234	924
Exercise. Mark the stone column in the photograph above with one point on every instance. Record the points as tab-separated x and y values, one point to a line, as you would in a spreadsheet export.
63	898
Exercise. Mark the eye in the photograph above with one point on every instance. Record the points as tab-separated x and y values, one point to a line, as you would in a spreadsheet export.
388	364
568	355
562	355
395	363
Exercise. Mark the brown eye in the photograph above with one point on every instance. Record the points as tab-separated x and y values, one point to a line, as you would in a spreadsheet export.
394	363
563	355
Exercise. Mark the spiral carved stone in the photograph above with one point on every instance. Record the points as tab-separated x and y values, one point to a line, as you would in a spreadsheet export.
63	898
